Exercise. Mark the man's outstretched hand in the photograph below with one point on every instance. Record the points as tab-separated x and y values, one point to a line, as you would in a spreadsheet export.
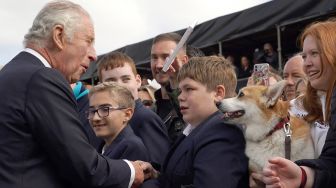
143	171
139	175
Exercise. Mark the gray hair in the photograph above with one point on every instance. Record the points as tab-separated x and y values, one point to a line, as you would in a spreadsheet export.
63	13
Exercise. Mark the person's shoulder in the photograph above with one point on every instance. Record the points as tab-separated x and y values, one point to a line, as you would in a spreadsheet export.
216	123
50	82
217	130
49	78
131	141
50	73
129	135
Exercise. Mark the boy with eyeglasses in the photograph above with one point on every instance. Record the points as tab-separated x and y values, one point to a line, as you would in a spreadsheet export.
146	124
111	107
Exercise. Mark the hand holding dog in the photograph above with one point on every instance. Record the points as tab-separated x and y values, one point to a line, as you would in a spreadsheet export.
256	180
281	173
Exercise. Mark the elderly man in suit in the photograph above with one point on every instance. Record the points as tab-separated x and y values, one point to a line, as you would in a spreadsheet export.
43	143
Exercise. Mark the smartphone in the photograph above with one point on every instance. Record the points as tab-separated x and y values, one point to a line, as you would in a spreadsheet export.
261	73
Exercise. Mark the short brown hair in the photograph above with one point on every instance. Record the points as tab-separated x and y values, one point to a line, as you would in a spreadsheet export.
120	94
211	71
170	37
113	60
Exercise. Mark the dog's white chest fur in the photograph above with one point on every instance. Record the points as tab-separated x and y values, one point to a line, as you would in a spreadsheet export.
274	145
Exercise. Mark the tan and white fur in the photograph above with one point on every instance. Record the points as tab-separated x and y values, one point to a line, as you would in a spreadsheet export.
258	109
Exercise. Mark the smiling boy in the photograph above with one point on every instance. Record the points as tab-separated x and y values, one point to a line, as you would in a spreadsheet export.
111	107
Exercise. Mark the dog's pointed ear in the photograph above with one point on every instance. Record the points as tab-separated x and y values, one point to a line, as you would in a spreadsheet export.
274	92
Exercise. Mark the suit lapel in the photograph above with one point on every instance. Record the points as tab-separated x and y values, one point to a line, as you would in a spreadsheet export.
184	143
117	140
173	148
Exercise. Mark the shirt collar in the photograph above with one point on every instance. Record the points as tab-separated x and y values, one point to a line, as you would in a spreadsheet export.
39	56
188	129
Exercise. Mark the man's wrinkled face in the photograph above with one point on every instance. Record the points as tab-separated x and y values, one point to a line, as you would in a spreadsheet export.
78	52
293	71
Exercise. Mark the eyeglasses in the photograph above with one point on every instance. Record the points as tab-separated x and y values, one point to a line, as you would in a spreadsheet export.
102	111
147	102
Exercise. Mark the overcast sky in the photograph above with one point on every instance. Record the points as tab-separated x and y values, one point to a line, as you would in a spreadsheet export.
117	22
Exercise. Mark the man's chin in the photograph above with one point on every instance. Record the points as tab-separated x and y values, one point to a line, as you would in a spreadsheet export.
74	79
162	81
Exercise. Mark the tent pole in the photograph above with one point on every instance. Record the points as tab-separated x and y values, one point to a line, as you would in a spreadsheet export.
220	48
279	47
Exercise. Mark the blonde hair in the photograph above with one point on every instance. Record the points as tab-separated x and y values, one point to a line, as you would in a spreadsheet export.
150	90
211	71
118	93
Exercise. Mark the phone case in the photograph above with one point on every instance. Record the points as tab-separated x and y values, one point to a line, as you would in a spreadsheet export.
260	73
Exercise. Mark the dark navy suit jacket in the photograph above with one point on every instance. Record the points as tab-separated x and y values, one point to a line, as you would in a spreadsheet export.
149	127
127	146
42	141
212	155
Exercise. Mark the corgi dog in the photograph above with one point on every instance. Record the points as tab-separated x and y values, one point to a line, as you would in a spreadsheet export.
266	123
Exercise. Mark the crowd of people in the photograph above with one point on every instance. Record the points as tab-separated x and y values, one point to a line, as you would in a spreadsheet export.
244	68
127	132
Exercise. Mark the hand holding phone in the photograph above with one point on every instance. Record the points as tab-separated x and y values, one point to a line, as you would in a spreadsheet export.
260	74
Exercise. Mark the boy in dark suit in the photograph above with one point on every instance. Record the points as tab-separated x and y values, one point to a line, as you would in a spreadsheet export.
120	68
111	107
211	152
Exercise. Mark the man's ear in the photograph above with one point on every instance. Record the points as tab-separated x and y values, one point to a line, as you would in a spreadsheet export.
59	37
185	59
220	93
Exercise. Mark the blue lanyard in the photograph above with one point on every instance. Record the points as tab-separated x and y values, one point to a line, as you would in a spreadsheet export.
77	91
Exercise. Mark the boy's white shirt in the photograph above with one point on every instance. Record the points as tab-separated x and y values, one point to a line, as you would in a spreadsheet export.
188	129
318	130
